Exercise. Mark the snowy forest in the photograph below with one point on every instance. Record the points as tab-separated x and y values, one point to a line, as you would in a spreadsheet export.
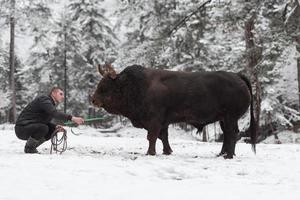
46	43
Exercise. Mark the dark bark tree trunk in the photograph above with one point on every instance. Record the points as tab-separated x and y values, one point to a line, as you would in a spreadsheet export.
298	67
204	134
254	55
12	112
297	39
65	72
292	25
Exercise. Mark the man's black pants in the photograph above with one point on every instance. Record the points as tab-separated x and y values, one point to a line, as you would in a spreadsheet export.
37	131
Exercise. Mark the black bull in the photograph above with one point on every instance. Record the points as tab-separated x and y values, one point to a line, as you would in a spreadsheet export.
152	99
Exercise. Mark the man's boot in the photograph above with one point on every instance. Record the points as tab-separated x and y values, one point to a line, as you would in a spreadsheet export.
41	141
31	145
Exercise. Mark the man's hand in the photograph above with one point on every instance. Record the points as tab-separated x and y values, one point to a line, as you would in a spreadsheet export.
77	120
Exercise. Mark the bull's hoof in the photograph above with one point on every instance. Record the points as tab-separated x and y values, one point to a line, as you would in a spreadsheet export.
151	153
167	152
227	156
221	154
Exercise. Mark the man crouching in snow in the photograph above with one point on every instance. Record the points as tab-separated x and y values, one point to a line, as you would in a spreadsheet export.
34	122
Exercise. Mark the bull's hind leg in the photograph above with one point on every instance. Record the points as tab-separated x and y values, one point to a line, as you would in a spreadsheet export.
163	136
225	140
231	131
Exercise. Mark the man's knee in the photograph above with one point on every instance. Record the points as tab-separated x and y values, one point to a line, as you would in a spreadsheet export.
39	131
20	133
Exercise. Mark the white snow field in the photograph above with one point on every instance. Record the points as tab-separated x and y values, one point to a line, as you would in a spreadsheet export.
114	166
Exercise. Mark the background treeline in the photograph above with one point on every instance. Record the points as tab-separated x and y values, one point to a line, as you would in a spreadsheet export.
60	42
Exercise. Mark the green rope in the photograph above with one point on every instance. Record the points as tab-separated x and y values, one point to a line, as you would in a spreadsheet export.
85	120
55	141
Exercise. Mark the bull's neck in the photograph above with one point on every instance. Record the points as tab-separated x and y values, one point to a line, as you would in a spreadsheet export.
129	113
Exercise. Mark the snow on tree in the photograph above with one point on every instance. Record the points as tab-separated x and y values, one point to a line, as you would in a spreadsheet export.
66	58
147	23
4	93
38	25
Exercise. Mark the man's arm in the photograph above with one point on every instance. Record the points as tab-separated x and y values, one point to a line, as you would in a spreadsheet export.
49	108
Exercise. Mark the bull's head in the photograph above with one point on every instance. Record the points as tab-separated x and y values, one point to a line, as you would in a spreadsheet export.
107	94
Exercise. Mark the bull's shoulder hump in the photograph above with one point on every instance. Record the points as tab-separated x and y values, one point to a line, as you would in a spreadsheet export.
133	69
221	74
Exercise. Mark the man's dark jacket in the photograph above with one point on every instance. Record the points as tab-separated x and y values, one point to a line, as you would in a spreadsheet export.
41	110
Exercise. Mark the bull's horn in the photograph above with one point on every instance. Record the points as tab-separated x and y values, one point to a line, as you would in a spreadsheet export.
100	70
111	71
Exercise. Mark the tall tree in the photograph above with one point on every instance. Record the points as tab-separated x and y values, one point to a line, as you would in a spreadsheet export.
4	83
17	16
147	24
39	25
254	55
292	27
97	46
65	55
276	107
12	115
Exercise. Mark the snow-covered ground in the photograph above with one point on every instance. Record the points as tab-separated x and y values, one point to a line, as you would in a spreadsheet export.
114	166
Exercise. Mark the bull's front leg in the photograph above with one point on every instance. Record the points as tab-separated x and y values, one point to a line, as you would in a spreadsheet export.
152	137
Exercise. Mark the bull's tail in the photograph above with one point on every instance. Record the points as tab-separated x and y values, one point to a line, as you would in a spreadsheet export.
253	132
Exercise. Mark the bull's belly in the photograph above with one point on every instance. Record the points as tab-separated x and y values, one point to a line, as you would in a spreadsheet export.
193	118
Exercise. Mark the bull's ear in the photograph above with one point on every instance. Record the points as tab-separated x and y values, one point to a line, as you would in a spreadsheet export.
100	70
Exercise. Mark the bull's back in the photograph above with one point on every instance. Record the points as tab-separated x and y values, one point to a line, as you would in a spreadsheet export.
233	93
201	94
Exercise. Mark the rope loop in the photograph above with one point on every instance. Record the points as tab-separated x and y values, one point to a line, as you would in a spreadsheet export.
58	144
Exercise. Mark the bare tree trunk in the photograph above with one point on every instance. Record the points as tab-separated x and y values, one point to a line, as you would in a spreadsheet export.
254	55
292	25
215	130
65	73
204	134
297	38
298	67
12	112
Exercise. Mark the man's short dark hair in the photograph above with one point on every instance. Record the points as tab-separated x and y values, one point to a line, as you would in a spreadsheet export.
54	89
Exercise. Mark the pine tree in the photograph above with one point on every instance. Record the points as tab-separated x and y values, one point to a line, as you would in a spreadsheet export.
23	15
39	24
292	28
66	59
97	46
153	42
148	23
98	38
276	48
12	69
4	93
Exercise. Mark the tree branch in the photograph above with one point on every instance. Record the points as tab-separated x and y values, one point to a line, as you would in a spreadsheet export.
180	23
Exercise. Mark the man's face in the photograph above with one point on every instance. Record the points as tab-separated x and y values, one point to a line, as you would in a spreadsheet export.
58	95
